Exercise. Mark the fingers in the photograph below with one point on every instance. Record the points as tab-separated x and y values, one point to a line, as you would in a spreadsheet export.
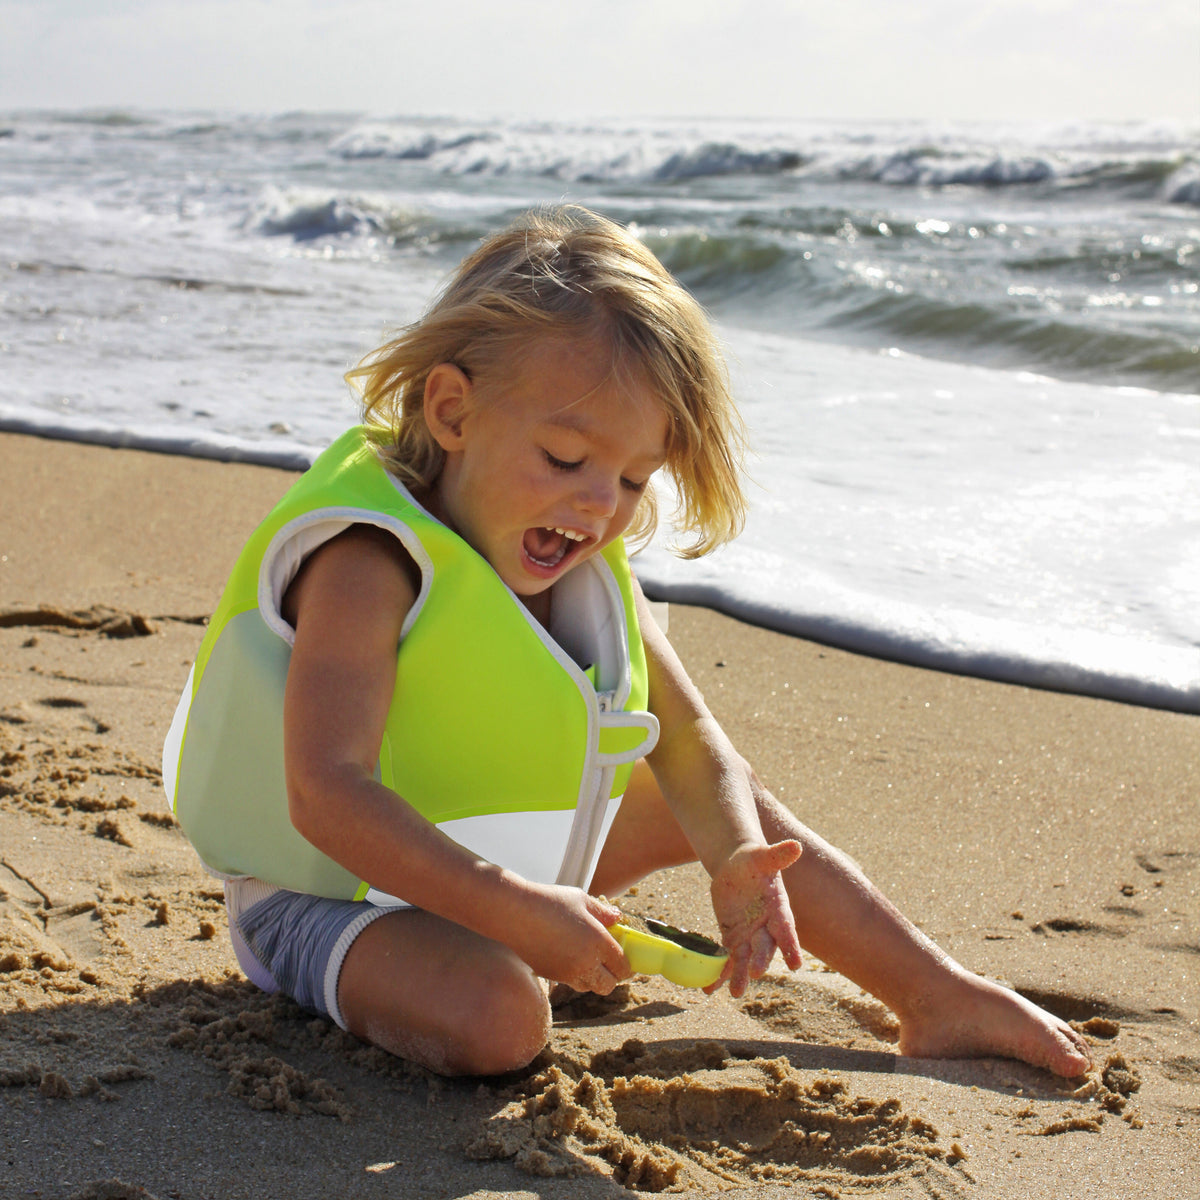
603	981
617	965
745	965
572	944
613	957
604	910
613	965
739	978
751	960
600	975
733	975
606	974
783	931
789	947
762	950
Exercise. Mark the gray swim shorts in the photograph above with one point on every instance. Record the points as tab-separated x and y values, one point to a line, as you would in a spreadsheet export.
293	943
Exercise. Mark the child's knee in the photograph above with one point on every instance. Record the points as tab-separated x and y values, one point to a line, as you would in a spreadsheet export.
508	1024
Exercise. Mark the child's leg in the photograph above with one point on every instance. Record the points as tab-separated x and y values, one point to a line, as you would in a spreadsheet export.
437	994
944	1010
412	983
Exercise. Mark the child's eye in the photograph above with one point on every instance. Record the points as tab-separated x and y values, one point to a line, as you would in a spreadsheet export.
631	486
560	464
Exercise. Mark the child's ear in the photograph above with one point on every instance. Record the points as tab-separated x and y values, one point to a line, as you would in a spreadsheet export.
447	404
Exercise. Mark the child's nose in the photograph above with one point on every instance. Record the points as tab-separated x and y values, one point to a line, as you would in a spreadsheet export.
598	496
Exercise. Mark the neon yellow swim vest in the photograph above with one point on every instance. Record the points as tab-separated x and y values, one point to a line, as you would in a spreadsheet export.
504	740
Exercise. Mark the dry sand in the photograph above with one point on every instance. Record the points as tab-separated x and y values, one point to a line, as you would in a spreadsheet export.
1047	840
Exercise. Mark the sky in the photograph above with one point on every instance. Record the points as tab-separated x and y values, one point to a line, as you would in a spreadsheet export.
967	59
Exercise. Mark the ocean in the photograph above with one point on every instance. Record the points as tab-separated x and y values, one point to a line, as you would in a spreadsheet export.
969	355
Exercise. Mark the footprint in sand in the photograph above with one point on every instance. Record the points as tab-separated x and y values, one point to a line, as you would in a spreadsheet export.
1076	925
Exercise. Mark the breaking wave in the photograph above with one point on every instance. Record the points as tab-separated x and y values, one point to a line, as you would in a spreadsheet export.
1151	162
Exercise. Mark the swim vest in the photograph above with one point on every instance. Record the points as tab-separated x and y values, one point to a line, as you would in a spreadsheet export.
515	740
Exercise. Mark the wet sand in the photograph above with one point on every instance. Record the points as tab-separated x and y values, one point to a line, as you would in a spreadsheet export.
1049	841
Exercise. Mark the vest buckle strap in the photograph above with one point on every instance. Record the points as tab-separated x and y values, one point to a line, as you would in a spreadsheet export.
624	737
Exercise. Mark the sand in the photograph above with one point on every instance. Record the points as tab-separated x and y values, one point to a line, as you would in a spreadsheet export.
1050	841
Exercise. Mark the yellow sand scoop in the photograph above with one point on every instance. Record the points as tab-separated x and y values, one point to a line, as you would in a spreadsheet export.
654	948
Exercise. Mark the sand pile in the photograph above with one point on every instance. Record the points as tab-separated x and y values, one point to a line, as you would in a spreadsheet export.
662	1118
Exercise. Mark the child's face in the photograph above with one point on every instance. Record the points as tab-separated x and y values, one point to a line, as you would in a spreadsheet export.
546	464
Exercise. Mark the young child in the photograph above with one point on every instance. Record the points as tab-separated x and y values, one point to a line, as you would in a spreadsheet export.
432	678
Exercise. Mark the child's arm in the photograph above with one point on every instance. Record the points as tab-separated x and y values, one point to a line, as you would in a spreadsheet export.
706	784
347	606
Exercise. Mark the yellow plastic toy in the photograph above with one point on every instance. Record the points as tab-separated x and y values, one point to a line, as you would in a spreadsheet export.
684	958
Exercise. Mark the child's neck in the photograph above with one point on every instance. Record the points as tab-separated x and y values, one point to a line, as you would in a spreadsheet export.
539	606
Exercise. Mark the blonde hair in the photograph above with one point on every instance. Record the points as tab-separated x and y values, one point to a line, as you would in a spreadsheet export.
569	272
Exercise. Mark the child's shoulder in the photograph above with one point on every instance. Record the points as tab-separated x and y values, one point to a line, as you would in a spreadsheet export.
362	570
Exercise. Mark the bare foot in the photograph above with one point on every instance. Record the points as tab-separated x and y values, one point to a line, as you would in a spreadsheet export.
980	1019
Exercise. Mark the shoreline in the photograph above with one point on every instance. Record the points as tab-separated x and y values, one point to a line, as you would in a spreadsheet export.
1046	839
1074	678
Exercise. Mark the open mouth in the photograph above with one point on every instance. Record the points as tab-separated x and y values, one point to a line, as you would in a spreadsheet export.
548	548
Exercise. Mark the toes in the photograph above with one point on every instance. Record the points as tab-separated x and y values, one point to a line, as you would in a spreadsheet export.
1077	1049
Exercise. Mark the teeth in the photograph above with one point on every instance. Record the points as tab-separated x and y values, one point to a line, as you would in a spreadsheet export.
575	537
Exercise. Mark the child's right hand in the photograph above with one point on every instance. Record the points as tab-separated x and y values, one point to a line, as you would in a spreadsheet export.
563	935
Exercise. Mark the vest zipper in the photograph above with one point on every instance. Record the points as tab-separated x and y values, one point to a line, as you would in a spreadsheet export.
590	814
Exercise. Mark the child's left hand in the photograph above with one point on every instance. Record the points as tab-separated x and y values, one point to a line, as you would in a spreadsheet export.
752	909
